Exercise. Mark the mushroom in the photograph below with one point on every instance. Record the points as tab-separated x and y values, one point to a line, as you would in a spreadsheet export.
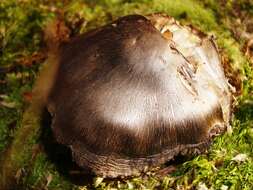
133	94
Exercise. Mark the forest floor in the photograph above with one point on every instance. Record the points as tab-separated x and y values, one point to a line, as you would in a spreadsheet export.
28	158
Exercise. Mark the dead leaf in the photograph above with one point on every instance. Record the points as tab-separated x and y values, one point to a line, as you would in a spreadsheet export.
19	174
224	187
8	104
35	58
98	181
240	158
202	186
168	35
49	179
5	102
28	96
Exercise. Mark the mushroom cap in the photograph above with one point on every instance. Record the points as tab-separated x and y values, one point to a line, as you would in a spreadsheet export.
133	94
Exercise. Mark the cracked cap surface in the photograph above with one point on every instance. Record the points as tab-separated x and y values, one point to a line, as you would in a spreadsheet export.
131	95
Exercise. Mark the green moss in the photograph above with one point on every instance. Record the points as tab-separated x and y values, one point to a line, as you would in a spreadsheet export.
37	172
43	174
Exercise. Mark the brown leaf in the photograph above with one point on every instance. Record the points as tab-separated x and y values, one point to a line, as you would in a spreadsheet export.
27	96
19	174
219	163
35	58
168	35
